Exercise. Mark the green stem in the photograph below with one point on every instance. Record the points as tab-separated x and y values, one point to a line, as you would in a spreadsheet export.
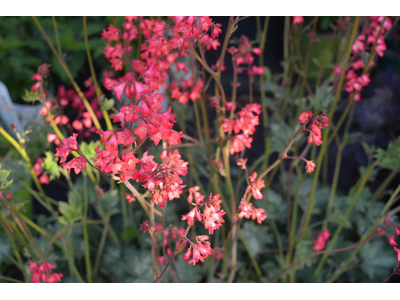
102	243
57	36
96	83
25	156
85	232
253	260
15	248
5	278
69	75
326	132
346	216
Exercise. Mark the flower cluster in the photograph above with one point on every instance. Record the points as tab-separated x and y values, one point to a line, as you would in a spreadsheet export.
247	210
391	238
318	123
67	146
244	55
245	122
38	169
194	194
298	20
356	77
256	186
198	250
190	89
169	236
44	272
69	98
164	181
161	48
320	241
211	216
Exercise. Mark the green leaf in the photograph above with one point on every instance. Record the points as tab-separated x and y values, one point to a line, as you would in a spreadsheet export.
105	103
339	219
3	175
256	241
73	210
304	249
50	165
88	149
4	183
323	98
7	185
362	202
275	207
30	96
378	259
281	135
390	158
109	203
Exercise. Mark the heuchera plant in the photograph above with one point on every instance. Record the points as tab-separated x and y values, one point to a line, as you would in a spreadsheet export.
155	63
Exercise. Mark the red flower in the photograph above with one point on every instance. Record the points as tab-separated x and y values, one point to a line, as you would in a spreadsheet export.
247	210
391	240
199	250
212	214
66	147
194	194
130	197
337	69
315	135
398	254
144	227
320	242
387	221
298	20
310	166
76	163
44	272
191	216
245	121
44	179
305	117
256	186
397	229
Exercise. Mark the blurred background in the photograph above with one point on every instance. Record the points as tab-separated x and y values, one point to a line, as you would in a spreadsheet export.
376	120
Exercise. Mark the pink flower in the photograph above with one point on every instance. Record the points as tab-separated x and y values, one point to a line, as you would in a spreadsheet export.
66	147
387	221
76	163
256	186
298	20
44	179
194	194
337	69
199	250
310	166
315	135
320	241
130	197
144	227
212	214
398	254
391	240
397	229
305	117
247	210
44	272
191	216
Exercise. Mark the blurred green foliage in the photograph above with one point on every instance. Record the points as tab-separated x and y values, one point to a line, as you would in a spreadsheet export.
23	49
